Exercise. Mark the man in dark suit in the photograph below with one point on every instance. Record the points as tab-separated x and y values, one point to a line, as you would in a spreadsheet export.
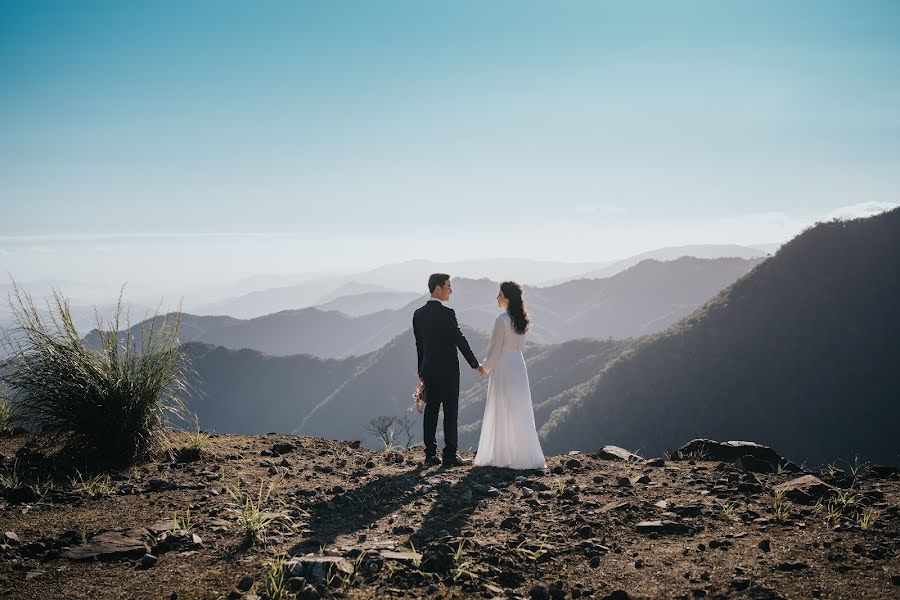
438	336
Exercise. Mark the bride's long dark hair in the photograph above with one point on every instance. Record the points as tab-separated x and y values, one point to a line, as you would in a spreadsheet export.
516	308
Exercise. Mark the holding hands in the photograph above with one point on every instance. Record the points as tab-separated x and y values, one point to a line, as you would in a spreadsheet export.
481	370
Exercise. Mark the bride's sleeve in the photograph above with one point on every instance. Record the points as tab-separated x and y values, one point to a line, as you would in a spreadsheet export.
493	353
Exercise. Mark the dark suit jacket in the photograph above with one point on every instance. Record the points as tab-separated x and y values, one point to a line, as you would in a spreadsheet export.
437	338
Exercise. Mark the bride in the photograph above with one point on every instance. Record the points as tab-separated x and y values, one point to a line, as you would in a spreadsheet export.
508	435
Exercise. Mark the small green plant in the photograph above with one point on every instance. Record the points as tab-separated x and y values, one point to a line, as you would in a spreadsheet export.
197	439
780	506
416	558
11	479
5	409
857	469
846	498
330	575
526	545
183	524
631	463
462	568
252	516
84	535
696	454
91	486
560	486
275	579
730	510
42	489
865	518
340	456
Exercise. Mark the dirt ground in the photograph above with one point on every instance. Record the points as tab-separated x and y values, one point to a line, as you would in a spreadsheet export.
369	524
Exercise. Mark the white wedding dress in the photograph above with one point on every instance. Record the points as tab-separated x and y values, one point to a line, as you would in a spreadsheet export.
508	434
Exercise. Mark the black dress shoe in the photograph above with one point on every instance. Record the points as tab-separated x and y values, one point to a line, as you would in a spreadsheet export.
432	460
455	461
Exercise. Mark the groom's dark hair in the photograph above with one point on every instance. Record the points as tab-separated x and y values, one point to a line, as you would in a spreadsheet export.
437	279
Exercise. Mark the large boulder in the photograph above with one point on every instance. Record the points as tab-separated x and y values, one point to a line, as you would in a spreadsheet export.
751	456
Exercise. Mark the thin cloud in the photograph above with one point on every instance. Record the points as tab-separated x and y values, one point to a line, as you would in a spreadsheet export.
863	209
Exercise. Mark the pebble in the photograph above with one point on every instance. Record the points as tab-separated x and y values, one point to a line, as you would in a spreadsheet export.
539	592
245	583
148	560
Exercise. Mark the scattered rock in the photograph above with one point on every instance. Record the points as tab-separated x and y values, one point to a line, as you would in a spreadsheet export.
111	545
408	558
511	579
316	568
539	592
245	584
148	560
617	453
748	462
283	448
730	451
663	527
739	583
804	490
617	595
10	537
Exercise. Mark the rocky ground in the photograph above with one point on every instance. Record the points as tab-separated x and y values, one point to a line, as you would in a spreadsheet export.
282	516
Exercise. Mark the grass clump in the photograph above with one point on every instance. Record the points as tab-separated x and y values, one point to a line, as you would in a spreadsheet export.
252	515
5	409
11	479
113	399
95	485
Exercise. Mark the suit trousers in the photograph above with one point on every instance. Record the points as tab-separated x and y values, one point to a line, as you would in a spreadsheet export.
441	391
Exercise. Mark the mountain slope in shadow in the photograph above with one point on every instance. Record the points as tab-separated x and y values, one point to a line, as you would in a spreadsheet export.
802	354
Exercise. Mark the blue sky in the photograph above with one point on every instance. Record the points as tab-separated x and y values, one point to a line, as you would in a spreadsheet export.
377	131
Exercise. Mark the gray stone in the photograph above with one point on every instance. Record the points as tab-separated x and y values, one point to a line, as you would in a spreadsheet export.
804	490
111	545
662	527
245	584
617	453
316	568
148	560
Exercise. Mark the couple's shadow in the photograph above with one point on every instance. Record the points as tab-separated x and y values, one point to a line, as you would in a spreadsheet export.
354	510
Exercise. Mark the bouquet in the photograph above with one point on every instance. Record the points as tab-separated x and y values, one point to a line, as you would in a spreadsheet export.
419	397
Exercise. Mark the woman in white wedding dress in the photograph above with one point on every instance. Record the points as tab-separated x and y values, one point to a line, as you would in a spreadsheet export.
508	434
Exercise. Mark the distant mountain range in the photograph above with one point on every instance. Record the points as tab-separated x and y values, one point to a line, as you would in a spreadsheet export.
263	295
802	354
645	298
357	305
246	391
674	252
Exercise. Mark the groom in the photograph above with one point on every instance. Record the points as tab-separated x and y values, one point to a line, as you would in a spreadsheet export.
437	338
